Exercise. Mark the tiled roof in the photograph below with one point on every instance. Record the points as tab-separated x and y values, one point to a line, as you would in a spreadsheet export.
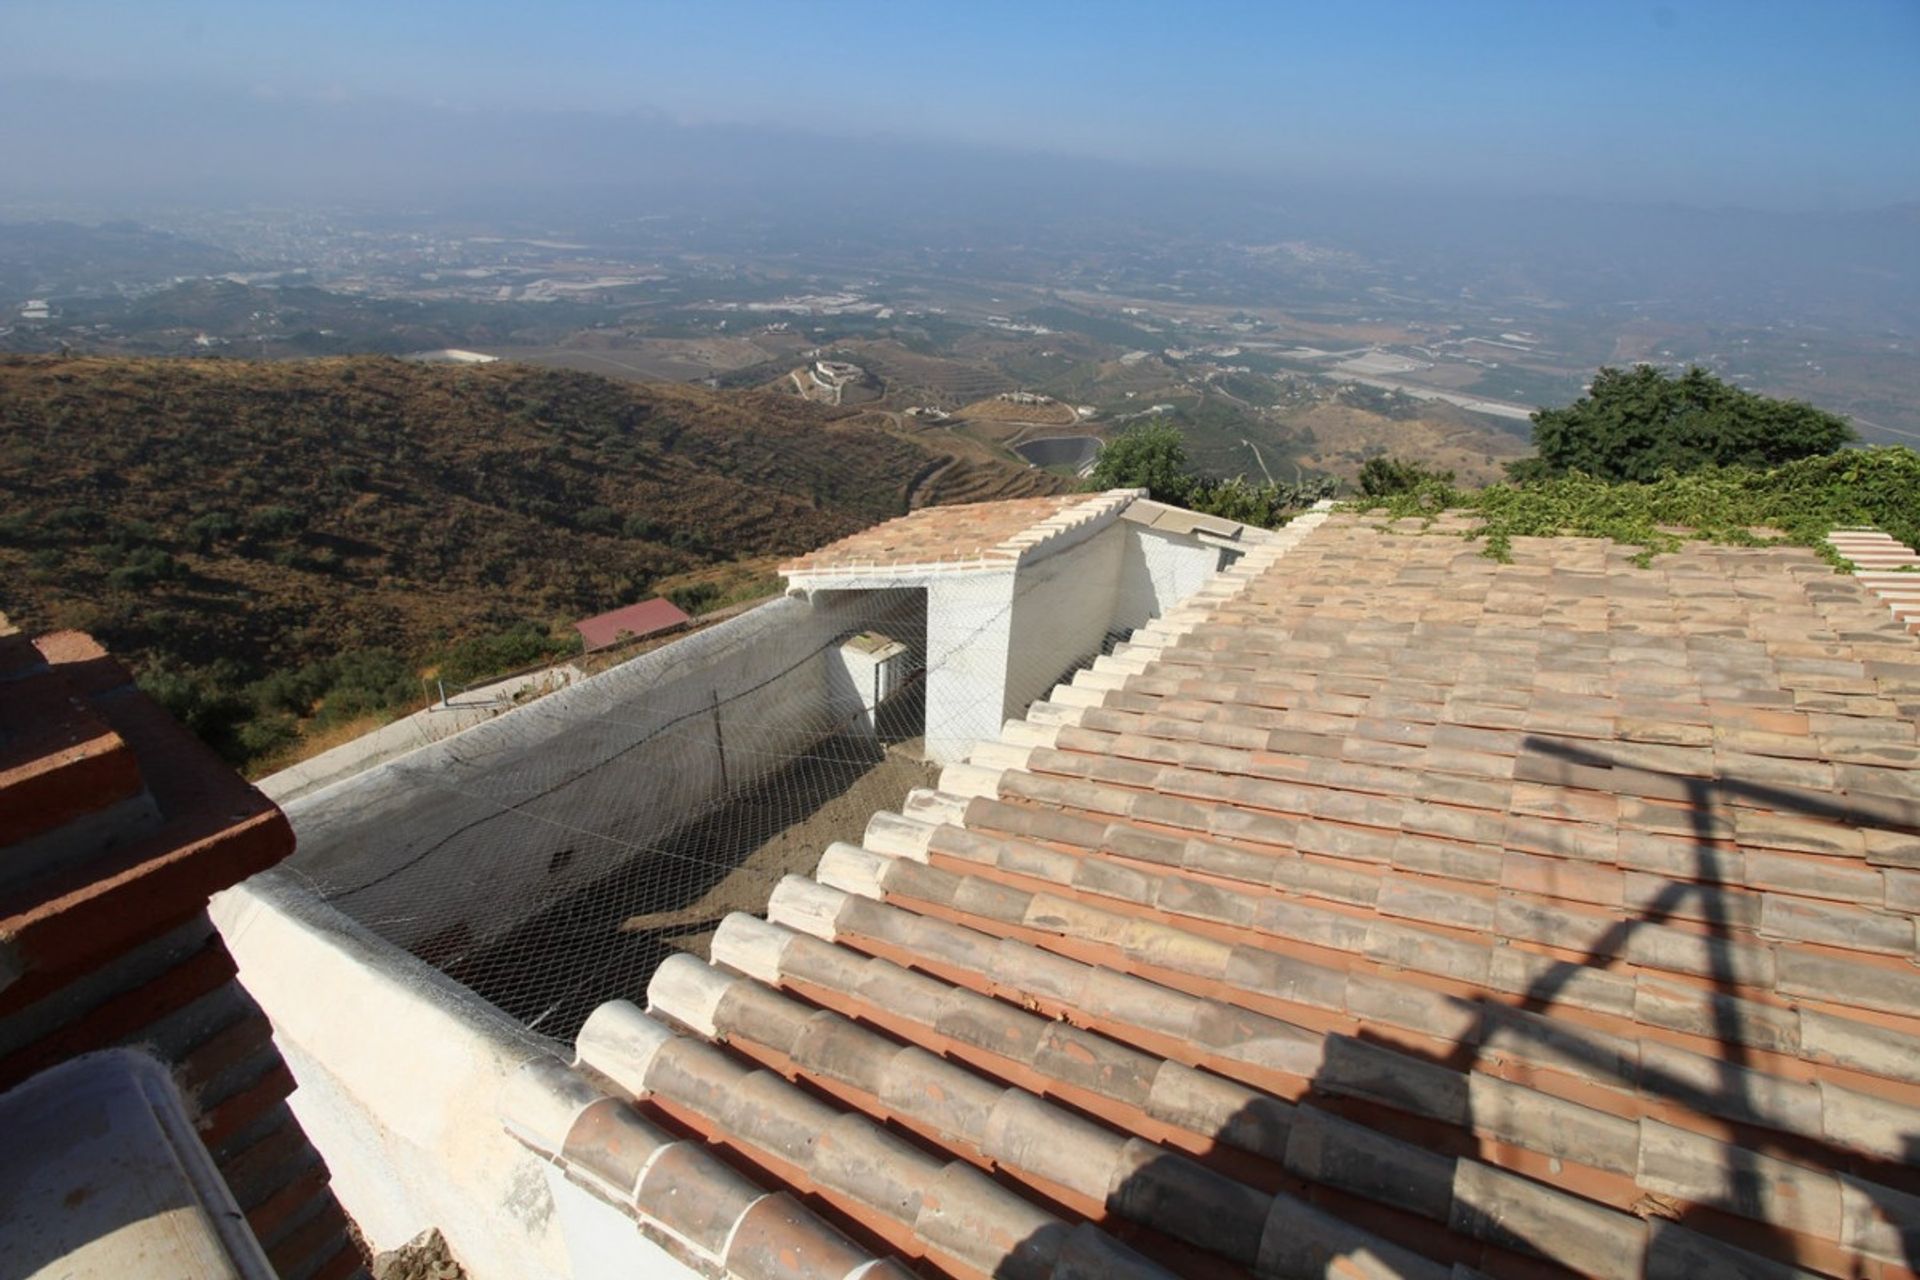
983	535
635	620
116	825
115	822
1380	910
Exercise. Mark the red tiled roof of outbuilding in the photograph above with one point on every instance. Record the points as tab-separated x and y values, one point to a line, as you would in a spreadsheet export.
634	621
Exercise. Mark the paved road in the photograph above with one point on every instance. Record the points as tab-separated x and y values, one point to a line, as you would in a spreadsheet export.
1498	408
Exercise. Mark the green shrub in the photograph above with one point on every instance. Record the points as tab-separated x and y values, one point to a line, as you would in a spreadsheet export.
145	567
297	692
1380	477
644	529
598	520
204	699
274	522
695	596
265	735
1640	424
366	681
1267	505
1153	456
204	531
523	644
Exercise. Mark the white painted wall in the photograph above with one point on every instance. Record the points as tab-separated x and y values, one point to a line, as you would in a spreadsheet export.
1159	570
1063	605
969	622
999	639
399	1072
603	1243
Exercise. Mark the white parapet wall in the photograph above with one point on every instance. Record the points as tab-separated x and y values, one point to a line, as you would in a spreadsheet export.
1160	570
399	1074
998	640
1003	630
1063	607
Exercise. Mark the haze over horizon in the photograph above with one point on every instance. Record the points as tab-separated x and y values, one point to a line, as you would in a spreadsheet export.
1707	104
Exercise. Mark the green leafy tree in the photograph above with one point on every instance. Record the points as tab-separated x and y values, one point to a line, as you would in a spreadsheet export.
1150	455
1637	424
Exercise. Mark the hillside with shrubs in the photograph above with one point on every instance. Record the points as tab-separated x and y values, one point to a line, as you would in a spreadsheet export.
279	548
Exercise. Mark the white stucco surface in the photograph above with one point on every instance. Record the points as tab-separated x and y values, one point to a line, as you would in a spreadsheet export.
1063	607
1158	571
999	636
602	1244
969	622
397	1071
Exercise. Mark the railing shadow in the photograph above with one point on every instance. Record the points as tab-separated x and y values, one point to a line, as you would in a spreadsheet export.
1738	1218
1732	1095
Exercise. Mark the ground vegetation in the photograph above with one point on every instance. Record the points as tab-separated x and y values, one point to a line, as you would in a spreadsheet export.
287	550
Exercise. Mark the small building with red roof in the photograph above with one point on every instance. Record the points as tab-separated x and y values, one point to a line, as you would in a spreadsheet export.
633	622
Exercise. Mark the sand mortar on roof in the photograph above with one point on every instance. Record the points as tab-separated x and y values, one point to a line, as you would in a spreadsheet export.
426	1257
793	850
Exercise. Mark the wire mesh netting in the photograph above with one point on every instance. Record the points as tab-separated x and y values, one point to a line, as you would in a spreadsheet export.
550	859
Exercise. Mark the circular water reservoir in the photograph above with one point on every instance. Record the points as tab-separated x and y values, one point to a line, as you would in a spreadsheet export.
1060	451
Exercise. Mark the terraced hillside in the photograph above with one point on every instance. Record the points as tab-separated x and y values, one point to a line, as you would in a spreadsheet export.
227	521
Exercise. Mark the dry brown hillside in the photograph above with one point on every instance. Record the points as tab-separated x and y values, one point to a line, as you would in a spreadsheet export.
1344	437
222	521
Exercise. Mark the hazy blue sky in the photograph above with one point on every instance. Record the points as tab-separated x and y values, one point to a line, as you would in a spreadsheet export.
1813	105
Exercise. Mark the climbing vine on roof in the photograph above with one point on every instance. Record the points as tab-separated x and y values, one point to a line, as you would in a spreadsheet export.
1800	502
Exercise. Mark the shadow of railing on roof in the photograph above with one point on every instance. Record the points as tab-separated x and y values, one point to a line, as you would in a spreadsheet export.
1732	1097
1741	1223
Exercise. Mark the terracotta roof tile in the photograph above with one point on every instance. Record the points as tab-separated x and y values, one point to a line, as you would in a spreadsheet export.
1500	911
115	823
978	535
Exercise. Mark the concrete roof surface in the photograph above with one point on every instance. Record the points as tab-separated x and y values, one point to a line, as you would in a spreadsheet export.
1382	909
